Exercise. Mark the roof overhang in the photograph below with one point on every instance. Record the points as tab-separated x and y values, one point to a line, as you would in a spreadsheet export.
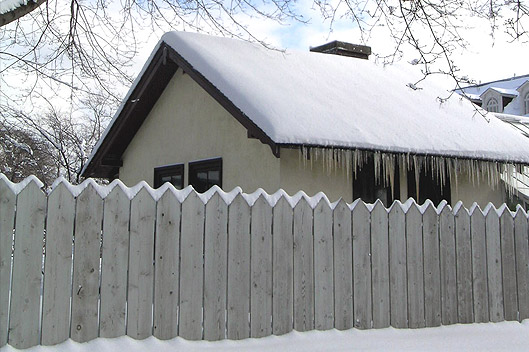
106	158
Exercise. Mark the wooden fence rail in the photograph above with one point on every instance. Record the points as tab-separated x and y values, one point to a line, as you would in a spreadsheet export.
88	261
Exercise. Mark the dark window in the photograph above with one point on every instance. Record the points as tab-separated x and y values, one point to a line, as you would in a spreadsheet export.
429	187
366	187
174	174
204	174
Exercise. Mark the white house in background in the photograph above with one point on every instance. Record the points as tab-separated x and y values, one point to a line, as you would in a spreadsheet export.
508	96
509	100
206	110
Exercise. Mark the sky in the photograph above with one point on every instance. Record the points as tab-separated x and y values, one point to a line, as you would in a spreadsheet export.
485	58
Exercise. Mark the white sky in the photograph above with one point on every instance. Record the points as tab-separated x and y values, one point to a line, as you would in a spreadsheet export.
485	59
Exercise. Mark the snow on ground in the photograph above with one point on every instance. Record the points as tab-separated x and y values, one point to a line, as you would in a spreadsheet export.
505	336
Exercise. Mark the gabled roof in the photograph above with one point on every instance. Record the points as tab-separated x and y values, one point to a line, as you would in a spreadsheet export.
507	83
511	93
301	98
521	86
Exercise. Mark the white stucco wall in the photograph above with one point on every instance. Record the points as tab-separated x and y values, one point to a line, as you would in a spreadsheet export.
314	177
482	193
186	124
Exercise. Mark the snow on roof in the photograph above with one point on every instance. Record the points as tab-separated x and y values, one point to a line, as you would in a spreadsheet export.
503	91
329	100
509	84
307	98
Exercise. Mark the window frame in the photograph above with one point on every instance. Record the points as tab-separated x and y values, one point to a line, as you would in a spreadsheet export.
204	165
169	170
526	103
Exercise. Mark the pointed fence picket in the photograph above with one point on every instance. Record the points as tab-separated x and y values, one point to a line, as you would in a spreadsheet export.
141	265
238	290
282	271
27	267
58	266
261	269
7	223
432	273
112	260
166	256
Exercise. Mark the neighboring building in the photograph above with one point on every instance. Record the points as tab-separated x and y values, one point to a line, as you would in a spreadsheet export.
508	96
208	110
509	100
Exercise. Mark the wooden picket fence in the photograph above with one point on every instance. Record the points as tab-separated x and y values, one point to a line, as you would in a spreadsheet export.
88	261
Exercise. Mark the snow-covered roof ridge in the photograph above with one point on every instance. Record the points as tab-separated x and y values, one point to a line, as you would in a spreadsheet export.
509	83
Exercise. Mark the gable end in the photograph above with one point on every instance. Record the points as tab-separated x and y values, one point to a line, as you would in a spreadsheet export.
106	159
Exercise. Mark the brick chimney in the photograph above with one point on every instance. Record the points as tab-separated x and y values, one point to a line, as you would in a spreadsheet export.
344	49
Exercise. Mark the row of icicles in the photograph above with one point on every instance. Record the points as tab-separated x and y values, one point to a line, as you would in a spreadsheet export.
478	171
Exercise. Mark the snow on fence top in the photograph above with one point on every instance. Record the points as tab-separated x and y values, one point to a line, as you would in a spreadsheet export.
250	198
342	102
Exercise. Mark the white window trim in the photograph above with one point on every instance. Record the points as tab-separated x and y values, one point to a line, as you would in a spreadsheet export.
492	105
526	103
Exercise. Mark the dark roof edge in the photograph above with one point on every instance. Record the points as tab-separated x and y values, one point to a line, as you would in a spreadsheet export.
445	156
105	163
224	101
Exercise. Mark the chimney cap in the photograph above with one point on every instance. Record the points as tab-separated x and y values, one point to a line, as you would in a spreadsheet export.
345	49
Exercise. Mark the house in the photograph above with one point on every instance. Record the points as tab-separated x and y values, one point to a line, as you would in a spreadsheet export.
508	99
507	96
206	110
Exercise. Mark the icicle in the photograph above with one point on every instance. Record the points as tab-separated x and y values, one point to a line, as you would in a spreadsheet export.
417	173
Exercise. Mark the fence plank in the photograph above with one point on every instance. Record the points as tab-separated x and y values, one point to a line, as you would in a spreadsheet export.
397	267
166	270
215	268
58	266
141	269
432	274
7	223
479	266
362	267
114	264
380	266
24	316
86	262
464	266
238	269
323	270
522	262
508	266
494	267
303	267
448	266
191	268
283	257
261	269
343	267
415	270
